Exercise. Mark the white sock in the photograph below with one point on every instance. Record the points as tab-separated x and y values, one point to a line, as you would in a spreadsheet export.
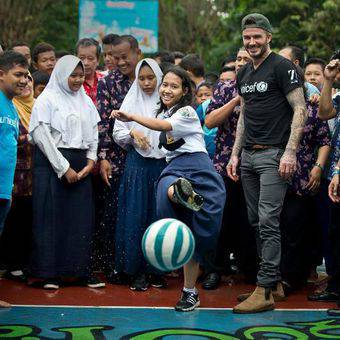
190	290
17	272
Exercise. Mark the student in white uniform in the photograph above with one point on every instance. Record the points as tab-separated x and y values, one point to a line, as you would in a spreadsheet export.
137	191
64	129
189	188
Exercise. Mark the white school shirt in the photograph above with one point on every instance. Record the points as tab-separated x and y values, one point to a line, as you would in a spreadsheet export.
185	124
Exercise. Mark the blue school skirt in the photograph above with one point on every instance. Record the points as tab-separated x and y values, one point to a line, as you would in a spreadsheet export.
136	210
205	224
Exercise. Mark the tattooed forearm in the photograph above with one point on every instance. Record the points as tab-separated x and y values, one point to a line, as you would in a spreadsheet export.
239	132
297	102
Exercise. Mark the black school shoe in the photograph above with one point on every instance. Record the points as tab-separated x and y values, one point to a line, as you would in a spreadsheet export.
140	283
186	196
157	281
187	302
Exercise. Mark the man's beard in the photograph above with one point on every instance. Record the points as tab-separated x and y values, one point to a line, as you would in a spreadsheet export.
263	50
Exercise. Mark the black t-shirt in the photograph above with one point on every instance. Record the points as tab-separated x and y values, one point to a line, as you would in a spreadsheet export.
267	113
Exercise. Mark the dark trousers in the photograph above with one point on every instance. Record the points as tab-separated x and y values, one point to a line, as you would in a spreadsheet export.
237	236
334	235
301	238
16	239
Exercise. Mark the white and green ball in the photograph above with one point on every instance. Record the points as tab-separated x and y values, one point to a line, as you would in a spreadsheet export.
168	244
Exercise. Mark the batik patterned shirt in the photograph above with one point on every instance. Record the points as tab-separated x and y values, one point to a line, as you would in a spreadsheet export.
225	137
91	90
316	134
111	92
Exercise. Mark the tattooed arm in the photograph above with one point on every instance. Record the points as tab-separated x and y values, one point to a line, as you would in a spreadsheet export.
234	158
288	161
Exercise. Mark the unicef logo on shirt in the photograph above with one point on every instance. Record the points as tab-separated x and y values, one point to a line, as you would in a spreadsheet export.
262	86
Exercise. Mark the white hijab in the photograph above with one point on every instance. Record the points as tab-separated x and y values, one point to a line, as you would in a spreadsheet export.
71	113
138	102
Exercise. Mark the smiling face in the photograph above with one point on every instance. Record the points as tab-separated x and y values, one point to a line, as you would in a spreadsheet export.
314	75
147	80
76	79
256	42
126	58
13	81
28	89
171	90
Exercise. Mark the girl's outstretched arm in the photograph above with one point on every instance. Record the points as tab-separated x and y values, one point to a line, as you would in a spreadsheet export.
151	123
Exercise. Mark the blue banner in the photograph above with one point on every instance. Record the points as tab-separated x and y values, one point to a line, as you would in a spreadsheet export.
138	18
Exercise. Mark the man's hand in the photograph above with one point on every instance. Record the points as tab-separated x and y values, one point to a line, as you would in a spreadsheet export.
140	139
314	179
287	164
334	189
86	169
105	171
332	69
71	176
232	168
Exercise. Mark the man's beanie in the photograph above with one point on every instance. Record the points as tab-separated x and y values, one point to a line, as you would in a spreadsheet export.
256	20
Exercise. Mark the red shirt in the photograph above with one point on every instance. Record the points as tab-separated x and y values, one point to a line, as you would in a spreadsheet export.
91	91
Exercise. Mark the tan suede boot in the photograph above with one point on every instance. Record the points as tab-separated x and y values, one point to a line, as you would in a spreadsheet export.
261	300
278	294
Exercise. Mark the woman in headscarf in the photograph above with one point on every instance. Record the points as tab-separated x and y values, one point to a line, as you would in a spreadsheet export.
64	129
144	163
15	239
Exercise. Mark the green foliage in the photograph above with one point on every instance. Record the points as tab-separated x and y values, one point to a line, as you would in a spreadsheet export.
59	25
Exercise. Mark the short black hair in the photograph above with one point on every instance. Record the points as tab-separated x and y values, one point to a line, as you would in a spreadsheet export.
178	54
165	56
297	54
317	61
228	69
206	84
194	64
165	65
19	43
335	55
187	99
86	42
229	59
132	41
40	78
109	39
61	53
41	48
10	59
211	77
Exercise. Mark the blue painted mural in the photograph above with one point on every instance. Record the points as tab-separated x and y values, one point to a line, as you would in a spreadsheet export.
139	18
85	323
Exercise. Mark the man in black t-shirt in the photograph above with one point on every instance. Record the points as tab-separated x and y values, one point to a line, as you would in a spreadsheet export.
269	129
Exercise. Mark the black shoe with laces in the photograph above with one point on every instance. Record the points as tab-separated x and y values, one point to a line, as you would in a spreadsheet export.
187	302
140	283
185	195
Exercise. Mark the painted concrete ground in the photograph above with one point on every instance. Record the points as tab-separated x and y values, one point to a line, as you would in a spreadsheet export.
120	313
84	323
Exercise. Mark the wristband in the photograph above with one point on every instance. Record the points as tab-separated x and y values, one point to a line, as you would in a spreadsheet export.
319	166
336	172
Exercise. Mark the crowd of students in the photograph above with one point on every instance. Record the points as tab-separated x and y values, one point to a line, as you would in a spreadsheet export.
101	152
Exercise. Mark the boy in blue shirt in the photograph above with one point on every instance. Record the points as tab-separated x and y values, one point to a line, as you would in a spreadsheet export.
13	79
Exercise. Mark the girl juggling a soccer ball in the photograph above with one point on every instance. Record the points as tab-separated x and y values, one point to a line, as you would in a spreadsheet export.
189	189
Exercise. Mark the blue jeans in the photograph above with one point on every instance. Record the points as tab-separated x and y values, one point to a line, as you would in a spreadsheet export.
4	209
